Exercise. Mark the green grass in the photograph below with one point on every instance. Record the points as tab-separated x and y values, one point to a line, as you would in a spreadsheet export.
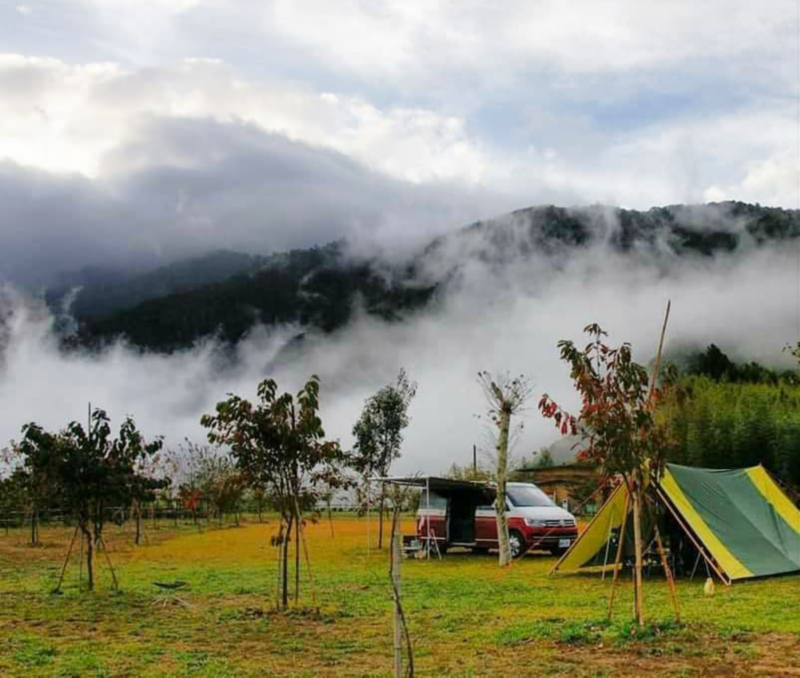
466	616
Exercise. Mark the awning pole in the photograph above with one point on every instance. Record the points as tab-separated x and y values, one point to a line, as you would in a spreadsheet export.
428	513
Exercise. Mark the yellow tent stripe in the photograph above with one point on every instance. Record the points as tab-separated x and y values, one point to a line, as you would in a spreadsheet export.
594	537
726	560
775	496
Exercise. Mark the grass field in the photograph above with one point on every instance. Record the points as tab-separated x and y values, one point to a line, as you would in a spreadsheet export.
467	617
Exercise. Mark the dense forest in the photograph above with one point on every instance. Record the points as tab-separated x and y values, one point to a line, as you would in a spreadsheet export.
304	287
731	415
736	424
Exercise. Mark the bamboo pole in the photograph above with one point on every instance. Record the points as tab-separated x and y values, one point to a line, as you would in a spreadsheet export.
608	541
637	540
110	566
723	578
668	572
657	364
80	565
620	546
57	589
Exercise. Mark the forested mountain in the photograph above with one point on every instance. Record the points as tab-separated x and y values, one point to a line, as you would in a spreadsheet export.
313	287
227	293
94	293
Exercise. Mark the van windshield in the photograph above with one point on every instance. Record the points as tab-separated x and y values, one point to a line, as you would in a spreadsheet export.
522	495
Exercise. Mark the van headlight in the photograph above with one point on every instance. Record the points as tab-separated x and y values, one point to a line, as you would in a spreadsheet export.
534	522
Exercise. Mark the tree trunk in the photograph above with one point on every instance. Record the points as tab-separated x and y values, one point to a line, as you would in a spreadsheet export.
380	523
637	545
500	501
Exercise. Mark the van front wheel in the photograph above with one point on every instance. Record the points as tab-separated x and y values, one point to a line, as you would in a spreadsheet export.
517	543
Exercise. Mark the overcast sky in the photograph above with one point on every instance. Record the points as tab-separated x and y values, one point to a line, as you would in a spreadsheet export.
136	132
143	131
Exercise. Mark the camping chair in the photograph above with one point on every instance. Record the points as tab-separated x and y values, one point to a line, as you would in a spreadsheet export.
170	594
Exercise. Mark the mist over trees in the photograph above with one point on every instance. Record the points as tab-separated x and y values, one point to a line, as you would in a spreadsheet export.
226	294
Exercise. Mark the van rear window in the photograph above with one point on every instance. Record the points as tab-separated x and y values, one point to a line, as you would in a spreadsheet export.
528	496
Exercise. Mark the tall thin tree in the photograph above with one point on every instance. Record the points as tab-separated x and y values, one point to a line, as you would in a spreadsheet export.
506	397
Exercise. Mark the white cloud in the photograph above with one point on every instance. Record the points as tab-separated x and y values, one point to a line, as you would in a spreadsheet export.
63	117
413	40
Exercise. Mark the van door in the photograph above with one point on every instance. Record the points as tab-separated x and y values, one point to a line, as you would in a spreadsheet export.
486	526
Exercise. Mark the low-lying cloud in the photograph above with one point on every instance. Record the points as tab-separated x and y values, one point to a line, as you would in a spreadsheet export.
501	321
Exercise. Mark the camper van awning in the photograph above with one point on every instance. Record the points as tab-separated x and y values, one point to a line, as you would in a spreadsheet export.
436	483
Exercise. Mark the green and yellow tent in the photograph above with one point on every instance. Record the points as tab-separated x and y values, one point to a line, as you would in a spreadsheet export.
739	521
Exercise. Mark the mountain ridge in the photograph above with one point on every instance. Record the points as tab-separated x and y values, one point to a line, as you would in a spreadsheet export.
319	287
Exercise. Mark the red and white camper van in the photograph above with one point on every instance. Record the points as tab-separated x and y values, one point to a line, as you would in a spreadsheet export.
461	513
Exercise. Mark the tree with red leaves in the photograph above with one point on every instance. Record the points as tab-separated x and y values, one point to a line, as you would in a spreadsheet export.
617	421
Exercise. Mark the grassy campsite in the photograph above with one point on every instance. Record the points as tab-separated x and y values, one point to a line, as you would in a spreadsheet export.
227	559
466	615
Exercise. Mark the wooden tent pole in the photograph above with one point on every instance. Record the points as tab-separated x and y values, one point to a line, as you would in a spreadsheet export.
723	578
668	572
608	541
620	546
657	364
638	586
